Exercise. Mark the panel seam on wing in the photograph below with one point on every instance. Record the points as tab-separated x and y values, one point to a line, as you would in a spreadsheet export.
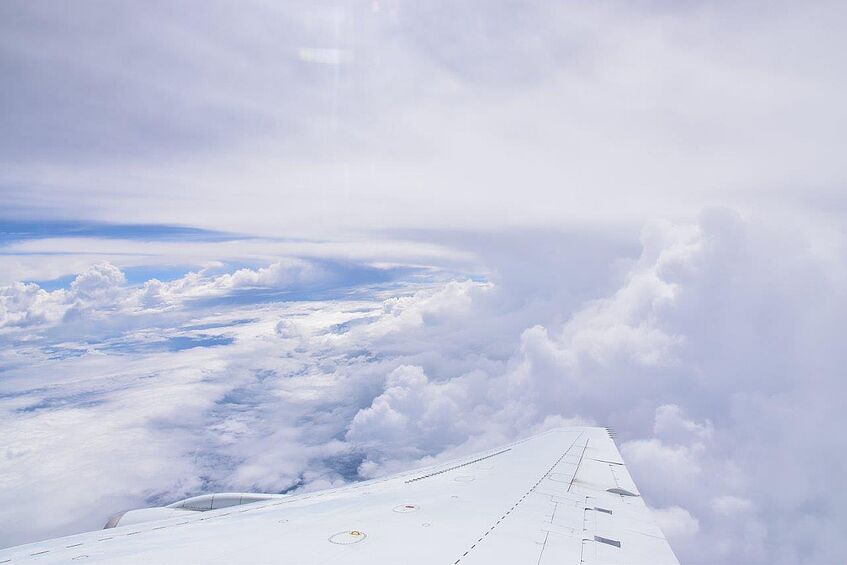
521	499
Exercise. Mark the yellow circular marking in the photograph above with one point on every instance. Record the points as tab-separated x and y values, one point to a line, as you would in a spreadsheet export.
355	533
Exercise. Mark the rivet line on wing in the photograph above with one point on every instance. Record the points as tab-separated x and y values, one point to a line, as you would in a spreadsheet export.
457	466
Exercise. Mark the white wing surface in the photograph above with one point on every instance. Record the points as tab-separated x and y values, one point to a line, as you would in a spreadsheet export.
561	497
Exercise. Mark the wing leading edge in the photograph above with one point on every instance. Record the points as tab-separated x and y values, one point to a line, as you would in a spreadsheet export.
563	496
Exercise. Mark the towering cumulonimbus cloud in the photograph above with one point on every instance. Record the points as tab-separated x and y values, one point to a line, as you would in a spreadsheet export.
716	360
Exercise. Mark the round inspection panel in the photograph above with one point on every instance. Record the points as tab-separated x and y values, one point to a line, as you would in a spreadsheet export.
406	508
348	537
464	478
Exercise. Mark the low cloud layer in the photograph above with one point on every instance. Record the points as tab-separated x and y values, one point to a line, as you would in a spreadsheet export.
713	351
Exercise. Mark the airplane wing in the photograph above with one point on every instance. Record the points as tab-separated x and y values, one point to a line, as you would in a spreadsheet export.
560	497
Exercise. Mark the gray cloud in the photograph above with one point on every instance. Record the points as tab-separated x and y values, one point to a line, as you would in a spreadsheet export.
440	115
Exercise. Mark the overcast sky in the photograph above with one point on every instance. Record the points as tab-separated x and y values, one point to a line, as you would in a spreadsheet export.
487	218
399	114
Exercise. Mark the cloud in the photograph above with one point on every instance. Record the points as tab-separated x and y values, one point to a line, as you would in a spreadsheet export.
670	469
446	200
411	413
608	112
676	522
693	359
98	284
712	356
730	505
47	258
672	426
24	304
102	289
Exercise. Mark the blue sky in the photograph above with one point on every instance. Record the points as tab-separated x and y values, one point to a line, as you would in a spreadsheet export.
282	246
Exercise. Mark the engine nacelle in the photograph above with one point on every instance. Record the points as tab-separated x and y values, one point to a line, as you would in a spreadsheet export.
202	503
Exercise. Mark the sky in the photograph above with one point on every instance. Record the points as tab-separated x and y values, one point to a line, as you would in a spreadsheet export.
283	246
